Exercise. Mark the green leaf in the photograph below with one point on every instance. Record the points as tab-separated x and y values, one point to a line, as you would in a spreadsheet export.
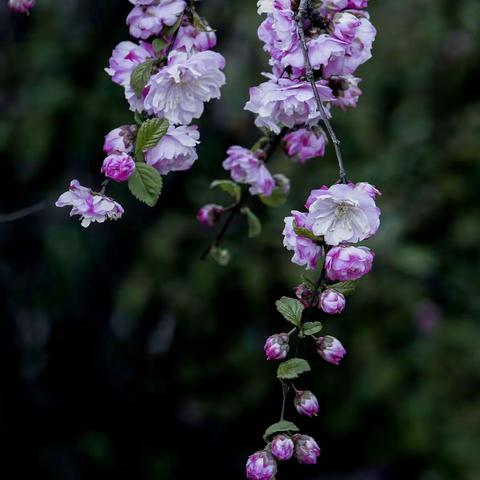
159	44
345	288
291	309
229	187
138	117
310	283
141	75
200	23
145	183
276	199
254	224
280	427
168	32
304	232
221	256
311	328
150	133
292	368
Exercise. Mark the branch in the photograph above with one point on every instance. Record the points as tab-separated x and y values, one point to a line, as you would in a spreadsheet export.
24	212
302	15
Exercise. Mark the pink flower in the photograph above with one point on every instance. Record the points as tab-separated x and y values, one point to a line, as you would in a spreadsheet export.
346	91
245	167
92	207
120	140
332	302
148	19
304	144
307	252
286	102
118	166
330	349
282	447
348	263
370	190
344	214
306	449
276	347
21	6
178	91
357	4
261	466
175	151
190	40
345	26
209	214
306	403
305	294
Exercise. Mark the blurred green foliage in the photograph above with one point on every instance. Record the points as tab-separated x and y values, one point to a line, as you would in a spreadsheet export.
123	355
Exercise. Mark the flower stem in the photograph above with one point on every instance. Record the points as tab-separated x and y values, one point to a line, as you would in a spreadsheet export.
284	400
302	15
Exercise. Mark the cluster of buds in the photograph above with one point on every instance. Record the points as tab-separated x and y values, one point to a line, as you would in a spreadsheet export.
21	6
262	465
167	78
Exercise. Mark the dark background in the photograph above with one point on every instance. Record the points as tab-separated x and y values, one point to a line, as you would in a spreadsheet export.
124	356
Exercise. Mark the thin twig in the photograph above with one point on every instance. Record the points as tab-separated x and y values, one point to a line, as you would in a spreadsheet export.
302	15
284	400
24	212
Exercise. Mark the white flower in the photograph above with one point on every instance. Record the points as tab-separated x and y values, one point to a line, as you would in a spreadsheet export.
344	213
178	91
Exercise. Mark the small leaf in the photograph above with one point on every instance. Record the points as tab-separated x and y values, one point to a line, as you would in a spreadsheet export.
292	368
150	133
200	23
291	309
138	117
309	282
304	232
221	256
280	427
345	288
254	224
140	76
276	199
168	32
229	187
145	183
311	328
159	44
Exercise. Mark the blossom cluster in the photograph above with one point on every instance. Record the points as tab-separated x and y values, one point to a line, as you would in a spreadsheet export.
21	6
167	76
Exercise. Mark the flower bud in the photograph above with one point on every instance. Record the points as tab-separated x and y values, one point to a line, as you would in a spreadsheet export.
120	140
348	263
261	466
306	403
21	6
276	347
118	166
306	449
209	214
305	295
282	182
330	349
282	447
332	302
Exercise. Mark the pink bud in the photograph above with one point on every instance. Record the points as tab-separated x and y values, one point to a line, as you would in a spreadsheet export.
120	140
282	447
209	214
118	166
276	347
332	302
348	263
330	349
306	449
306	403
261	466
21	6
305	295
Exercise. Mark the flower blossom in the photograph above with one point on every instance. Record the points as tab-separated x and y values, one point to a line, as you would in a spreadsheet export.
120	140
332	302
348	263
303	144
175	151
118	166
178	91
92	207
261	466
21	6
282	447
276	347
246	167
330	349
306	403
209	214
306	449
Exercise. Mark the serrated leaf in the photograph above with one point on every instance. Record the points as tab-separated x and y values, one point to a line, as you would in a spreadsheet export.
150	133
276	199
140	76
345	288
291	309
309	282
229	187
221	256
159	44
145	183
254	224
311	328
292	368
280	427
